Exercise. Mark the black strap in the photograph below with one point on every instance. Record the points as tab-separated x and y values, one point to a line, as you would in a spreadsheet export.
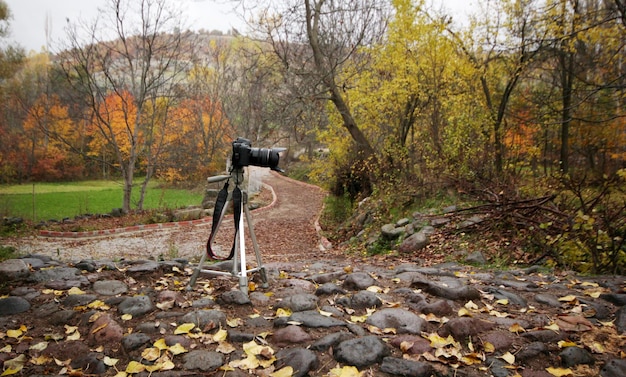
222	196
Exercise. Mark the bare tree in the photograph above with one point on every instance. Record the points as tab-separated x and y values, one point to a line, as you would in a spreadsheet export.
134	52
315	40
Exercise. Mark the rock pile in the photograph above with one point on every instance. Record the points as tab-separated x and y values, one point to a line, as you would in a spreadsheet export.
136	318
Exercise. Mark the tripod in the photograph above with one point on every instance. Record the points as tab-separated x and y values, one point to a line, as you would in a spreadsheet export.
239	269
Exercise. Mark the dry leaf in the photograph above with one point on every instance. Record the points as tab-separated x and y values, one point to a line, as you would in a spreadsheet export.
135	367
39	346
76	291
185	328
516	328
151	353
284	372
177	349
560	372
13	366
508	357
348	371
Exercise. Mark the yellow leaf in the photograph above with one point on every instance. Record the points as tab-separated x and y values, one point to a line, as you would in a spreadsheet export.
127	317
463	312
560	372
326	314
347	371
568	298
250	362
358	319
589	284
74	336
516	328
70	329
489	348
225	348
151	353
98	304
108	361
508	357
220	336
121	374
39	346
566	343
160	344
374	289
185	328
177	349
437	341
76	291
503	301
135	367
14	333
8	348
284	372
13	366
282	312
597	347
471	305
234	322
40	360
553	327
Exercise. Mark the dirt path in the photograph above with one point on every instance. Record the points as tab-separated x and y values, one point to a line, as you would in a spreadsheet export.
285	231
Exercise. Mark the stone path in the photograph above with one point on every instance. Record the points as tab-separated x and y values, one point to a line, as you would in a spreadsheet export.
318	318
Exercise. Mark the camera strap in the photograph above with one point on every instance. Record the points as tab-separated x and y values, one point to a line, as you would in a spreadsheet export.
222	197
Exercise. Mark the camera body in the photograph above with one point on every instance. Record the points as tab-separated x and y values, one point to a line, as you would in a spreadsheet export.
244	155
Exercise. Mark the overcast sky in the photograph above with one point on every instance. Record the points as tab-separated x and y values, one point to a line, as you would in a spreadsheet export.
29	17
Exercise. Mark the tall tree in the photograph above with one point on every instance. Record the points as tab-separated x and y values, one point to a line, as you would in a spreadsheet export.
134	51
315	39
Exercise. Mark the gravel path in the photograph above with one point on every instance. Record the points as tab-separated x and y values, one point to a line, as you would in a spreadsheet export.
285	231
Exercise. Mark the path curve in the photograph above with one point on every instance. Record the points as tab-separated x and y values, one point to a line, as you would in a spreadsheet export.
286	231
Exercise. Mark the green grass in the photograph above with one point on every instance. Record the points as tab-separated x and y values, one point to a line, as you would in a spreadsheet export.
61	200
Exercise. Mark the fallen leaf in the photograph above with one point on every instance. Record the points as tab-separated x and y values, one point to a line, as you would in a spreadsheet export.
160	344
220	335
39	346
234	322
74	336
566	343
559	372
488	347
569	298
503	301
135	367
508	357
151	353
177	349
463	312
225	348
283	312
185	328
574	323
76	291
40	360
283	372
516	328
110	362
347	371
127	317
13	366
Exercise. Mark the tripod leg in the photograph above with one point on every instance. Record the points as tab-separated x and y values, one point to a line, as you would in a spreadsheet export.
243	278
255	245
196	272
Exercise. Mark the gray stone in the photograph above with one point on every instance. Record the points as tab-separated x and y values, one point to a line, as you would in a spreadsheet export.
358	281
64	284
407	368
329	289
464	292
145	266
439	308
361	352
327	277
13	269
548	299
289	335
134	341
462	327
439	222
13	305
313	319
618	299
508	295
299	302
391	231
572	356
109	287
203	360
414	242
234	297
136	306
205	318
331	340
614	368
188	214
404	321
57	273
301	360
365	299
531	350
620	320
476	258
90	363
78	300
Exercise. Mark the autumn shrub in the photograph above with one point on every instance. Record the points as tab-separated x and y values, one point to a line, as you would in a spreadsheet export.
592	240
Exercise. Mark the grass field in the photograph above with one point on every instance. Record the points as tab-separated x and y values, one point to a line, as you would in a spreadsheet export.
45	201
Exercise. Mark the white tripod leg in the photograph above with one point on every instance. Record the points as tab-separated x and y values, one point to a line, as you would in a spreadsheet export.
243	278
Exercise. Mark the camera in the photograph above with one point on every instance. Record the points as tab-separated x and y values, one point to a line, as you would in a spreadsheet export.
244	155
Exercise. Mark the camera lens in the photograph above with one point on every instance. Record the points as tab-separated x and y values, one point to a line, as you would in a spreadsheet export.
265	157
